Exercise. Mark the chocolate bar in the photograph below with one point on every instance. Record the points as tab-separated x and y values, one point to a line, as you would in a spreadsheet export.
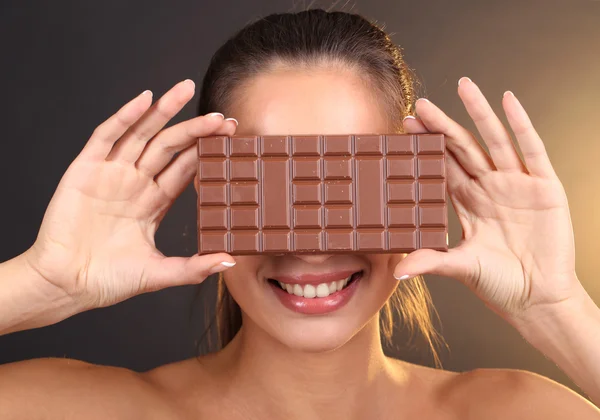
322	194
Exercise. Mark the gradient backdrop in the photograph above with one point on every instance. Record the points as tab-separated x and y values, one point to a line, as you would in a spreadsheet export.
68	65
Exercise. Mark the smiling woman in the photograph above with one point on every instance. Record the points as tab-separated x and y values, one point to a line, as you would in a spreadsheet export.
337	73
301	334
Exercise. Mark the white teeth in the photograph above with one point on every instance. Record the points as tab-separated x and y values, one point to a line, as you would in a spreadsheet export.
332	287
309	291
322	290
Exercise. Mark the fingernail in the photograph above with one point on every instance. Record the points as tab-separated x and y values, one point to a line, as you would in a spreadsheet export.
508	92
408	117
215	114
234	120
464	78
190	82
404	277
147	92
222	266
423	99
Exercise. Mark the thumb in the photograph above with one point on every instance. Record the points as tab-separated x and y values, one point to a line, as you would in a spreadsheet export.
164	272
452	263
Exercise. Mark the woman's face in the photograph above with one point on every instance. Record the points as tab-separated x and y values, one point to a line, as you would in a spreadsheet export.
326	101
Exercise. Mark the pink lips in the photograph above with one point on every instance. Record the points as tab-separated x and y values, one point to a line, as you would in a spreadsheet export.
317	305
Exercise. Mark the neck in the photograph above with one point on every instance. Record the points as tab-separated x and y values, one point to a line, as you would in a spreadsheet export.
286	383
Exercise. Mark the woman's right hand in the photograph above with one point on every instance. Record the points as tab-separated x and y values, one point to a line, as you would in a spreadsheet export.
96	242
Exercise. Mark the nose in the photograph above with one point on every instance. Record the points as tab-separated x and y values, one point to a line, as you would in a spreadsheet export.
313	258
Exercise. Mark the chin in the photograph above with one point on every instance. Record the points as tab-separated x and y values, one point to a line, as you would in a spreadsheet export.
310	303
316	335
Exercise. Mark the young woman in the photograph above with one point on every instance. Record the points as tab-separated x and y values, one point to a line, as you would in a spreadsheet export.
311	72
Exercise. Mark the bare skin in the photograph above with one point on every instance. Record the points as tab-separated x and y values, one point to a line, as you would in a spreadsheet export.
268	370
66	389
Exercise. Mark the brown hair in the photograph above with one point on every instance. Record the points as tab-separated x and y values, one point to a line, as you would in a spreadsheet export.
309	38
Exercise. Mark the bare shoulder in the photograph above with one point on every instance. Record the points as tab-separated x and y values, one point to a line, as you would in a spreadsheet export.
191	382
199	387
63	388
492	394
515	394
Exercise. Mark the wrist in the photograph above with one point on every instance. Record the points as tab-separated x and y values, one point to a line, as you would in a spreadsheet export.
562	317
568	333
27	299
556	329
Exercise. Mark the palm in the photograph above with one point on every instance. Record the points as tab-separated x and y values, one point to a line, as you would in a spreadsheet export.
96	243
102	218
517	227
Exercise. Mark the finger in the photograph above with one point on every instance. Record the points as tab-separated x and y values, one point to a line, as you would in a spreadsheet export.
413	125
106	134
461	142
494	134
458	181
455	264
132	143
180	172
161	149
165	272
456	175
533	149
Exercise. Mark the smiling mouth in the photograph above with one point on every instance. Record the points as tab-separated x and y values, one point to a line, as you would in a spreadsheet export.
320	290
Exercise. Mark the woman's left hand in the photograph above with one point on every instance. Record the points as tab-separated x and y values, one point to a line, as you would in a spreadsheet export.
517	251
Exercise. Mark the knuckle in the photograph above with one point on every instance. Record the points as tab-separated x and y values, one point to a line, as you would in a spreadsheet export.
163	109
140	135
122	119
99	130
164	146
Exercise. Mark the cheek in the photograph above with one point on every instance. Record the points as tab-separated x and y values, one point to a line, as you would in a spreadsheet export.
384	263
242	276
242	282
381	276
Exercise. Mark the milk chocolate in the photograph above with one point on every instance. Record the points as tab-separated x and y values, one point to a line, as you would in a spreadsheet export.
322	194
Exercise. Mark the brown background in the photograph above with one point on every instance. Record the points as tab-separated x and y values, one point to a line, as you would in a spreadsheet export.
66	66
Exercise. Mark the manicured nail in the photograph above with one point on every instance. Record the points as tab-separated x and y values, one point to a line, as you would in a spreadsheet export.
215	114
147	92
408	117
234	120
190	82
508	92
404	277
423	99
222	266
464	78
